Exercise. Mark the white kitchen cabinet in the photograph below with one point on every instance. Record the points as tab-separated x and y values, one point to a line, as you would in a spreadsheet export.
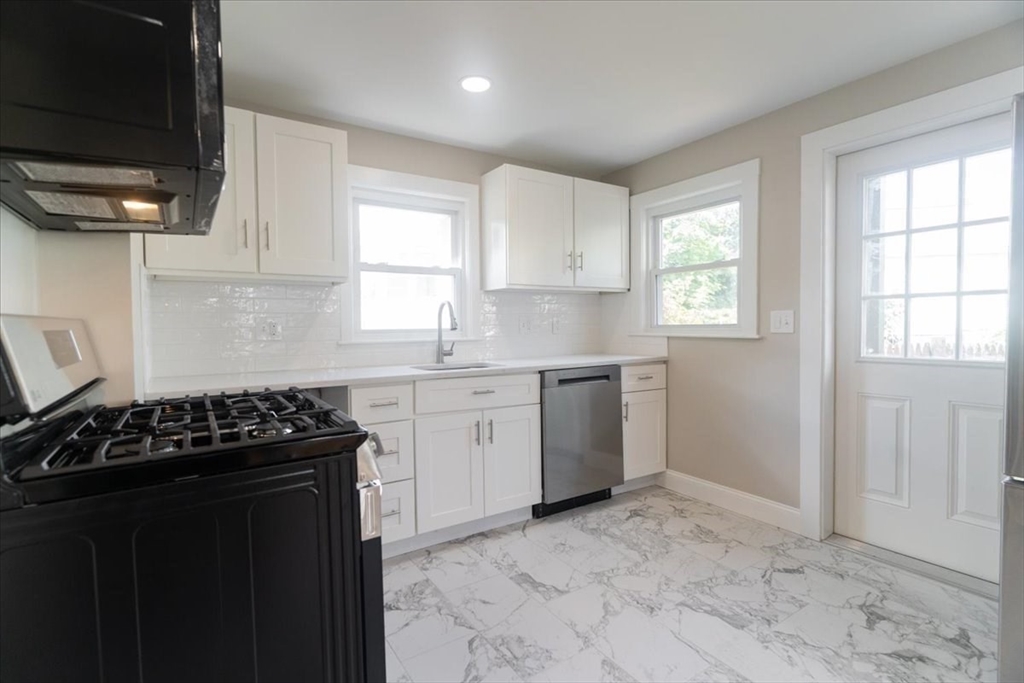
302	187
601	229
538	235
231	244
283	213
512	466
449	470
397	511
397	461
643	433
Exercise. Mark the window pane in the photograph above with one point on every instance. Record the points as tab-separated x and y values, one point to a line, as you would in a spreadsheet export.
885	203
987	186
401	301
700	297
986	256
932	327
885	265
883	327
404	237
984	327
703	236
933	261
936	194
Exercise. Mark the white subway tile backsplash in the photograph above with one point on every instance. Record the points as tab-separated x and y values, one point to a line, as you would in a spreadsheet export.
200	328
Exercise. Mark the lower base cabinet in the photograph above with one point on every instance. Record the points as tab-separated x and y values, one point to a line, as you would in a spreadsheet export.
478	463
398	511
643	433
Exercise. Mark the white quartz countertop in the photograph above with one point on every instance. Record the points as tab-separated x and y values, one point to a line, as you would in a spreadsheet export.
381	374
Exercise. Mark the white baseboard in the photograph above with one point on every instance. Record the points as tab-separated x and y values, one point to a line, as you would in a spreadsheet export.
638	483
429	538
749	505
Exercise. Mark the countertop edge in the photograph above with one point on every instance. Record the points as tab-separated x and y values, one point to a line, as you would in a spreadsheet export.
375	375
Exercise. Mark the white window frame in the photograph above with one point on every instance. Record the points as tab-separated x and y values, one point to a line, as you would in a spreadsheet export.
405	190
735	183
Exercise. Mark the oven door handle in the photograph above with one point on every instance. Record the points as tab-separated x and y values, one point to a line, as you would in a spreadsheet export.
369	487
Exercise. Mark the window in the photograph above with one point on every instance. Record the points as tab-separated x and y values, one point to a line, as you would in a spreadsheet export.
699	251
411	236
935	260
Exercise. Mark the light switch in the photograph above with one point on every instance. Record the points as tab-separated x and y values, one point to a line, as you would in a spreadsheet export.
782	322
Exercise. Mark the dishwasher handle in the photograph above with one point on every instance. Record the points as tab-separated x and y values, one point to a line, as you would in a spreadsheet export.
596	375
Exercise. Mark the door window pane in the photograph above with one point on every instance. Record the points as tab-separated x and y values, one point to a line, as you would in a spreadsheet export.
932	327
986	256
986	190
703	236
936	194
933	261
883	327
700	297
404	237
885	265
402	301
885	203
983	335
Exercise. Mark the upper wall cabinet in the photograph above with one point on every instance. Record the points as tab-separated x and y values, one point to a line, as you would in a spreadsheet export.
549	231
283	211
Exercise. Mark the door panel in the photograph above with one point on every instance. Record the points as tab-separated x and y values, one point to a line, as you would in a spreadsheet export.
302	190
601	223
231	244
512	465
449	470
540	233
920	330
643	433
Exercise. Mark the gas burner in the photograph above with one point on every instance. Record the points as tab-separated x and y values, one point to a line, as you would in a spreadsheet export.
265	430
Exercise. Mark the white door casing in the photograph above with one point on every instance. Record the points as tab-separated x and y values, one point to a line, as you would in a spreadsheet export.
918	422
512	466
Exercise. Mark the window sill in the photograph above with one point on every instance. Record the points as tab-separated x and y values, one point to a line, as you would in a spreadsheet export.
423	340
708	334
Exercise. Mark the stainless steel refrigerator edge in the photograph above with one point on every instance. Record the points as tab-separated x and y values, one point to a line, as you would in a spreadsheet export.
1011	578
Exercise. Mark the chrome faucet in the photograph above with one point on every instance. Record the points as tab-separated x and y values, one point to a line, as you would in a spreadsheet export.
442	352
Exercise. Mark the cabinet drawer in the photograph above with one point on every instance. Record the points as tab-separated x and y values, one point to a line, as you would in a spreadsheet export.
398	511
643	377
381	404
397	462
446	395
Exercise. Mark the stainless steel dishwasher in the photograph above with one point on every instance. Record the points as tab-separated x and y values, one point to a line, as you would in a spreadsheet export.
581	433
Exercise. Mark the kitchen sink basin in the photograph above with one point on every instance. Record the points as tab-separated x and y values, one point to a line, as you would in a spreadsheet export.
455	366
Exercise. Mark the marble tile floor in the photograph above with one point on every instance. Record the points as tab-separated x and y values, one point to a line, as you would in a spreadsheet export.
654	586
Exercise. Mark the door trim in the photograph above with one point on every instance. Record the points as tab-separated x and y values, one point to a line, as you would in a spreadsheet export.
819	152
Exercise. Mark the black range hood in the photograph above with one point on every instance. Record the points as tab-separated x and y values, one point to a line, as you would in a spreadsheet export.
111	114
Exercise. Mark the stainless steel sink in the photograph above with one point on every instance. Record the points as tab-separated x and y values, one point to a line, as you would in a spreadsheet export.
455	366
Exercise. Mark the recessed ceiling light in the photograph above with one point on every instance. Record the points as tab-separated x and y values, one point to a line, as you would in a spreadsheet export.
475	84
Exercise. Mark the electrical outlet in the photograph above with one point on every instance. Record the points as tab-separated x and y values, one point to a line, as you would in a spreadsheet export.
524	324
781	322
271	329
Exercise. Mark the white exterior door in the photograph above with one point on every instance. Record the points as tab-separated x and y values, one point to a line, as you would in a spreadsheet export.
540	232
302	189
231	244
921	282
512	467
643	433
449	470
601	226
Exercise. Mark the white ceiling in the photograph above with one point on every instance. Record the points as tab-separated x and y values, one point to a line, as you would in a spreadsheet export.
588	87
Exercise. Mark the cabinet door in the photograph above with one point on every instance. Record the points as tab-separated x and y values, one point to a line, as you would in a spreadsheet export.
231	244
540	238
449	470
302	190
643	433
512	467
601	223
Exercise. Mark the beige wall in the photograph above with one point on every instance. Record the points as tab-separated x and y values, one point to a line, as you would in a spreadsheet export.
733	405
17	265
377	149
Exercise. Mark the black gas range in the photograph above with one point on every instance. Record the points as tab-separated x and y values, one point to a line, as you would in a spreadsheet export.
208	538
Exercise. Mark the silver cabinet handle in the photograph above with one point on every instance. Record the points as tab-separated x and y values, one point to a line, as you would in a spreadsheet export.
643	377
384	404
391	514
387	453
626	406
581	260
477	432
570	260
478	392
268	235
490	431
245	233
